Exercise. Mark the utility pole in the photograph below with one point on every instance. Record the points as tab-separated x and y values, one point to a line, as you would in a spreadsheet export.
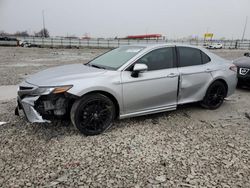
243	35
43	24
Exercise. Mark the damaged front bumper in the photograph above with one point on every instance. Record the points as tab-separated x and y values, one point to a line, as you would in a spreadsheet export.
40	104
27	105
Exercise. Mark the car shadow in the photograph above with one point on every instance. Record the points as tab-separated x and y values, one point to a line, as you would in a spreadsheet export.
61	128
243	88
181	110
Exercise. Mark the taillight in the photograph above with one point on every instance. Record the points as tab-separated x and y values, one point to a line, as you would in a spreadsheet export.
233	68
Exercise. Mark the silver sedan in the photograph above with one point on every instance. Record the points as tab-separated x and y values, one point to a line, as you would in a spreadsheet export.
126	82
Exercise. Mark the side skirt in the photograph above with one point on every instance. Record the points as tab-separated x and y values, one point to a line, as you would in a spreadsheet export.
150	111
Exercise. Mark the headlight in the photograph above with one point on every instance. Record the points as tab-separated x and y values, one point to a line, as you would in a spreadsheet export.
49	90
61	89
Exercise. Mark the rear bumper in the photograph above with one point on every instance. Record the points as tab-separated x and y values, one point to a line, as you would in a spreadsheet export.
27	106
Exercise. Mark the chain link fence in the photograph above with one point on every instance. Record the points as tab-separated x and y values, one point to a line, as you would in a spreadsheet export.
57	42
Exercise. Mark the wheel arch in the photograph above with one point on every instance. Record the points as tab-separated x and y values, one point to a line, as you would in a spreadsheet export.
110	96
222	81
205	102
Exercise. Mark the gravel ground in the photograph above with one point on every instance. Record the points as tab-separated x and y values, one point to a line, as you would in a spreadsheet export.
189	147
17	63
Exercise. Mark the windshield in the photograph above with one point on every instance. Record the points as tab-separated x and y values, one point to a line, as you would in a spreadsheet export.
115	58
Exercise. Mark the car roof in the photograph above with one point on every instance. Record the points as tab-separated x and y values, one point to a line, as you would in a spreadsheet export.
156	45
152	46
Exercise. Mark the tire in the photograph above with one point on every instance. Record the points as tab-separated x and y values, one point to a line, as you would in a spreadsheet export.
92	114
215	95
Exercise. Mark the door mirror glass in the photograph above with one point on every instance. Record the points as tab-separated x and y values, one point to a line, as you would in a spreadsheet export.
138	67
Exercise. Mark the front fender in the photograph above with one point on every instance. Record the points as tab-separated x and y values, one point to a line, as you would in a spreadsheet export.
110	83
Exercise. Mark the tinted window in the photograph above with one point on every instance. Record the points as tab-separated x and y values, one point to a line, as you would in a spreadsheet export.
205	58
189	56
158	59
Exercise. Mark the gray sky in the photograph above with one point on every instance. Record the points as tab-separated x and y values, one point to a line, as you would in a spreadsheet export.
110	18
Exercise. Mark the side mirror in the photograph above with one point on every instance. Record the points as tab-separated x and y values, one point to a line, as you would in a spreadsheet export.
138	68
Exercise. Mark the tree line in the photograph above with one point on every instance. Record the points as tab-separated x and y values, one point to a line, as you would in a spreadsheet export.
42	33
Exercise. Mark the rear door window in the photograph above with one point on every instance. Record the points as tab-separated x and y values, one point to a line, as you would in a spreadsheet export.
205	58
189	56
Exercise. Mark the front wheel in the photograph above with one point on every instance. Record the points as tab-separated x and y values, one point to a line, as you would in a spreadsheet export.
92	114
214	96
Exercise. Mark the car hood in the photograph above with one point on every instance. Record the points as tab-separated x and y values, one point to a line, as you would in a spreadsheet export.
242	62
63	74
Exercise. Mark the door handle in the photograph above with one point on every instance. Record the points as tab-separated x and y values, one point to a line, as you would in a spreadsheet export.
208	70
171	75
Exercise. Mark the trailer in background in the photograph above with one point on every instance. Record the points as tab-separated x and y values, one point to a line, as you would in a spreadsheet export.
8	41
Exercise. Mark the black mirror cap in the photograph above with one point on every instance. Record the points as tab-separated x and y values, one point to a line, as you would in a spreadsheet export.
135	74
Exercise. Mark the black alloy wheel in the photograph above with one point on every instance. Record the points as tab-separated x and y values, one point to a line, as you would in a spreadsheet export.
93	114
214	96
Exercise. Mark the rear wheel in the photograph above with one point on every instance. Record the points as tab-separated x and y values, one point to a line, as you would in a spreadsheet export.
214	96
93	114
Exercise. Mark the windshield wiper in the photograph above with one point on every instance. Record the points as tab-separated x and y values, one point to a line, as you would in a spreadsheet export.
96	66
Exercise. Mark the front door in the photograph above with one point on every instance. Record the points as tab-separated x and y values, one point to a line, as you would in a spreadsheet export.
154	89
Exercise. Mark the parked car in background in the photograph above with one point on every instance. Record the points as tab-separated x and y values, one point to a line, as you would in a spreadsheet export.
8	41
247	54
24	43
205	45
215	46
28	44
243	70
126	82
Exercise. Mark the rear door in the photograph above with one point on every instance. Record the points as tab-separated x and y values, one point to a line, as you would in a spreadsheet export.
195	74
